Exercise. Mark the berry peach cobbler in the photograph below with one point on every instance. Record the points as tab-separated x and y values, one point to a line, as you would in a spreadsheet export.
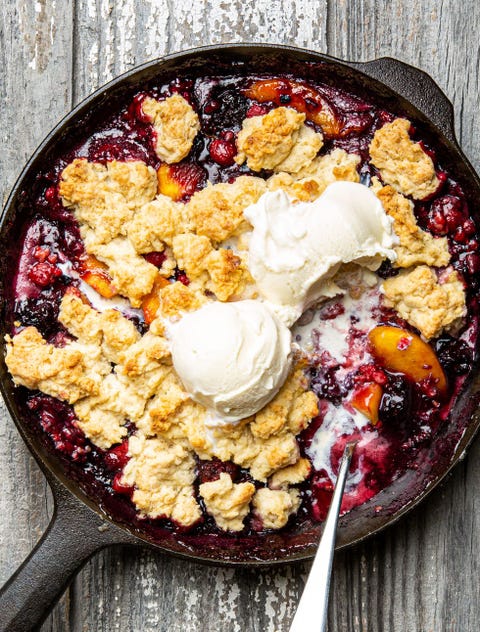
228	280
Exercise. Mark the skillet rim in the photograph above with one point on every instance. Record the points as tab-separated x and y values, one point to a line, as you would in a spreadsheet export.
47	462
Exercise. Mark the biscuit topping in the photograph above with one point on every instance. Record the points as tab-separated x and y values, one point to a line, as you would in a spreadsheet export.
175	123
153	312
402	162
278	140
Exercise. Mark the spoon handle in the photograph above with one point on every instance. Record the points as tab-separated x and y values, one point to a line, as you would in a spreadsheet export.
312	611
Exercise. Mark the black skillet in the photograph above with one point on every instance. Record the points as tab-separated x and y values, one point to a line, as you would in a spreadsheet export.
81	524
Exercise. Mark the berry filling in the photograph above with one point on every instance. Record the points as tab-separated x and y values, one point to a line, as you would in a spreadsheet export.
390	391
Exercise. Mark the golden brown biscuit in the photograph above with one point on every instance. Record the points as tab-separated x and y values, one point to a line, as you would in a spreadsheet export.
227	502
416	245
402	162
278	140
175	123
425	302
274	506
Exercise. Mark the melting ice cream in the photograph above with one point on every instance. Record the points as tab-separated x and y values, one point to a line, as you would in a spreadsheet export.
296	248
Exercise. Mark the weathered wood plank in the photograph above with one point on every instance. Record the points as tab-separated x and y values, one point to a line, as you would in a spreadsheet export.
35	57
421	575
435	36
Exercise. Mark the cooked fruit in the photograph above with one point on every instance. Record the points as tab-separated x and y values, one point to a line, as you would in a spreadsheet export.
401	351
302	98
151	302
222	151
366	399
178	181
95	273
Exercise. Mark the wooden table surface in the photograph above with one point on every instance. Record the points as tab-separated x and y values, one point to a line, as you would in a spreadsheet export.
422	575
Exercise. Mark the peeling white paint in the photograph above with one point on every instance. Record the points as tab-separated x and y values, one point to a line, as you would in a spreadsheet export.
156	29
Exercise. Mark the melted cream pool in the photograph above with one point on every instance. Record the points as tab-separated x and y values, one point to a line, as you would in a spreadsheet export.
339	342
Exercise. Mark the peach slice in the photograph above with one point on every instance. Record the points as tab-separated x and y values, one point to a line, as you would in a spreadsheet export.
151	302
167	184
402	351
366	399
302	98
178	181
95	273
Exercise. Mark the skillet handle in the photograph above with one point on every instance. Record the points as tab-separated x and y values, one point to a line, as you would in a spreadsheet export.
417	87
74	534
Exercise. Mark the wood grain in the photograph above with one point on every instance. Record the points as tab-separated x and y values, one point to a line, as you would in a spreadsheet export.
419	576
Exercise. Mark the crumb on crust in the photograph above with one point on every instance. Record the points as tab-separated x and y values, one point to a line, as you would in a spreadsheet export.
274	506
68	373
293	407
402	162
416	246
227	502
155	225
131	274
425	302
291	475
176	298
109	329
162	473
311	181
105	197
175	123
229	274
216	211
278	140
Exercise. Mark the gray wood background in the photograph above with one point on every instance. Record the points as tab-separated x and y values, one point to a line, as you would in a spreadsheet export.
420	576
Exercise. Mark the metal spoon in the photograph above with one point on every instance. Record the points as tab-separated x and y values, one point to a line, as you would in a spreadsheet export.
312	611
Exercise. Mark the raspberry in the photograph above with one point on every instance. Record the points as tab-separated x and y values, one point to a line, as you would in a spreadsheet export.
437	223
51	195
404	343
44	274
228	135
446	215
256	110
211	106
155	258
41	253
182	277
370	373
472	261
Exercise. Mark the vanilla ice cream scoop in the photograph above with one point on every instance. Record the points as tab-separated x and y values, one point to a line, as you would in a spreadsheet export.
297	247
231	357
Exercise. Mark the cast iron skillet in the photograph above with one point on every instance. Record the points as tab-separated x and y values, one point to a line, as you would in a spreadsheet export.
80	525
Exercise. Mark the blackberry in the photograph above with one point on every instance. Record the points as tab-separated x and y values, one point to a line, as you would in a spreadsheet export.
326	385
396	405
229	111
210	470
454	355
386	270
41	312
